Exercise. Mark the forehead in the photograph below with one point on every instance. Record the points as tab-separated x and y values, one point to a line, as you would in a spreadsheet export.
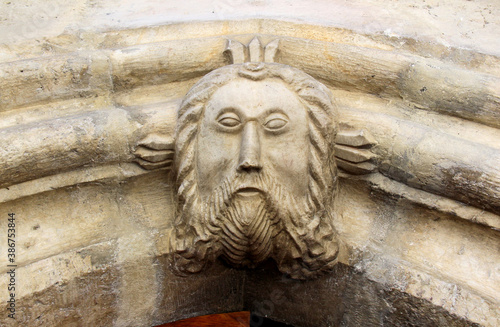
255	97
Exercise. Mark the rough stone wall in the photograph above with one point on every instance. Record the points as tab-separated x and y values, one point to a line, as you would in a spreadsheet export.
82	83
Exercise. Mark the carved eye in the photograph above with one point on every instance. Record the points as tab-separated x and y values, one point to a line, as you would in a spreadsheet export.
229	119
276	121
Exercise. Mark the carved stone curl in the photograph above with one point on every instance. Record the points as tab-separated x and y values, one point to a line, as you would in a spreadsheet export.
255	171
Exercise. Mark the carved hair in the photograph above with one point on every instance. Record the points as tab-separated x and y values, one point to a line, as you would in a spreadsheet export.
317	248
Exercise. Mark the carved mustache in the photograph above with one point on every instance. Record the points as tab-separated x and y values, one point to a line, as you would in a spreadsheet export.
261	182
223	195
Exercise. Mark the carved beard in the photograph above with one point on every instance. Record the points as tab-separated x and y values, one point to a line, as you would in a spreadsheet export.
247	230
246	225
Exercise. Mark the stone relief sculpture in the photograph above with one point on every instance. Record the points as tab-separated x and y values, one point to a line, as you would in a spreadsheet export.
255	171
255	175
255	167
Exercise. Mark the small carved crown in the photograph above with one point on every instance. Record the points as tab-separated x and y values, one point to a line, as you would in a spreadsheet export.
252	56
252	52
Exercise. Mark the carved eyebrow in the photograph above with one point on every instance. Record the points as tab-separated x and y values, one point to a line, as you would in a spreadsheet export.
229	109
274	111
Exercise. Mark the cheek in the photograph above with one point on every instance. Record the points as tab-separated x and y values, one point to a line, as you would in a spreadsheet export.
216	157
288	162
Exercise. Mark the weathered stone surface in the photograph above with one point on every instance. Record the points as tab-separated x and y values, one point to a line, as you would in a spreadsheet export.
416	250
70	289
45	80
58	144
345	298
254	172
217	289
88	88
451	165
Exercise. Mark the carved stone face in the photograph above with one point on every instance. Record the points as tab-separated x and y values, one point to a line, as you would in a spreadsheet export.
250	127
255	171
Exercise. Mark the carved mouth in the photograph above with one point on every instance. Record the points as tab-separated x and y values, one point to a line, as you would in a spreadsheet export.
248	191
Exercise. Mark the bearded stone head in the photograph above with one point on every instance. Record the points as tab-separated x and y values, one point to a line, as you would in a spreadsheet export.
255	172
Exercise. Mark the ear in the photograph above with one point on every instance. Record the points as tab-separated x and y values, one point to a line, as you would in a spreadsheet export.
155	151
353	151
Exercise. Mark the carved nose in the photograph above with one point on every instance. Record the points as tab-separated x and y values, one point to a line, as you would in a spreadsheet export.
250	149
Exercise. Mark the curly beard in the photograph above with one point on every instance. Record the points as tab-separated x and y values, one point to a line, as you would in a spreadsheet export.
248	219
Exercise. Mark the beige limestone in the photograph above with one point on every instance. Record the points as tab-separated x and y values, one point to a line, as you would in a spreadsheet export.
83	93
254	170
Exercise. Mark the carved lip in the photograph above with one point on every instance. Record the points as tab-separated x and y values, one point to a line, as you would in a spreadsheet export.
248	191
